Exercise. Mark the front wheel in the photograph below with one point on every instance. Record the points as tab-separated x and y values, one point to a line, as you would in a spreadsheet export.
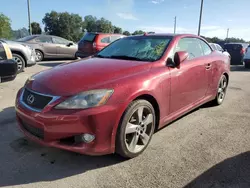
20	62
136	129
221	91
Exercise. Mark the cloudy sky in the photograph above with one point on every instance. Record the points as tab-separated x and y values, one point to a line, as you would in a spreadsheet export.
147	15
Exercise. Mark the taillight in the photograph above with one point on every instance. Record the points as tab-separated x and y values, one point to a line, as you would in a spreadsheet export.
242	51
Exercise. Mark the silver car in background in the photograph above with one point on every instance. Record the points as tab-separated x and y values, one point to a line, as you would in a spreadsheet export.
49	46
24	55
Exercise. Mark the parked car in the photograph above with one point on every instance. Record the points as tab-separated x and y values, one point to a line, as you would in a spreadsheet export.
115	100
218	48
48	46
8	67
237	52
247	58
92	43
24	55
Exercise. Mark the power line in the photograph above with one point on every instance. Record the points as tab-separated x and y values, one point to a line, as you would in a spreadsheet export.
201	9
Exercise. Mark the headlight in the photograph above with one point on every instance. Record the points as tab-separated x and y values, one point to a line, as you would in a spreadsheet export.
27	46
86	99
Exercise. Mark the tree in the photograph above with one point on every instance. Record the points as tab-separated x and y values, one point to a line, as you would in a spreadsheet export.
20	33
117	30
63	24
89	23
127	33
138	32
5	27
104	26
36	29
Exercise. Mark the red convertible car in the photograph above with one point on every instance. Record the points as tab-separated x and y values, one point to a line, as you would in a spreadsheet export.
115	100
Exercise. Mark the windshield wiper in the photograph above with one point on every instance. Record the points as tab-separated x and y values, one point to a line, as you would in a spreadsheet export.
125	57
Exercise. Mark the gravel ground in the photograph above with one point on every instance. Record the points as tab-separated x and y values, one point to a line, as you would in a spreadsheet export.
209	147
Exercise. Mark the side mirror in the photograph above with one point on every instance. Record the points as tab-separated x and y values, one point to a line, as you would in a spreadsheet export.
179	57
70	44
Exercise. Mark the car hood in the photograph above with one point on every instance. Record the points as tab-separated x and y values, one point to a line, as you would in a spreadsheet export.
74	77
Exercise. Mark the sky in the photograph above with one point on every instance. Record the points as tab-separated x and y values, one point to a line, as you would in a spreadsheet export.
146	15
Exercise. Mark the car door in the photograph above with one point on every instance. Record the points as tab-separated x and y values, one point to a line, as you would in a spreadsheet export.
189	83
64	48
47	46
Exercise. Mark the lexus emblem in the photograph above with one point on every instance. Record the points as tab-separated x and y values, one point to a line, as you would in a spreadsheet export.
30	99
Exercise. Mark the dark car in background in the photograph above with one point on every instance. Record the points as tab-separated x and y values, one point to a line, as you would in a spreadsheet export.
237	52
8	67
92	43
49	46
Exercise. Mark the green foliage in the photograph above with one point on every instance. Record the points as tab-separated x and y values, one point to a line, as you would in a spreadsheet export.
104	26
138	32
63	24
36	29
20	33
117	30
127	33
5	27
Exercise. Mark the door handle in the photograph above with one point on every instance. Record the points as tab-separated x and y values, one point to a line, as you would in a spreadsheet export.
208	66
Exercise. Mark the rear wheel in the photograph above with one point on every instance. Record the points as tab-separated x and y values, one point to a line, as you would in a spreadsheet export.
20	62
39	55
221	91
136	129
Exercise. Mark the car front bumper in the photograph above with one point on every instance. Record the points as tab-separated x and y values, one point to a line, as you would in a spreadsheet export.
32	59
8	69
59	128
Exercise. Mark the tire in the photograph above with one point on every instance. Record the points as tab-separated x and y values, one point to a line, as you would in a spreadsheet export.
20	62
136	128
39	56
221	91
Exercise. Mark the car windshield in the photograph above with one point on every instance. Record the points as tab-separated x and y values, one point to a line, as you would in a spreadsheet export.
140	48
88	37
24	39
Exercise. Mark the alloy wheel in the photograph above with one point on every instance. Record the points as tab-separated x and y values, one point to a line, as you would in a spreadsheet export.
39	56
222	89
19	63
139	129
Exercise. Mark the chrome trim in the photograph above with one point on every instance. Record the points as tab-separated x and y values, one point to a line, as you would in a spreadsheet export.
54	98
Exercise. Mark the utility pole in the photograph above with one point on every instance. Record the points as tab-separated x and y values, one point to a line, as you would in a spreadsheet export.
174	24
227	33
201	9
30	29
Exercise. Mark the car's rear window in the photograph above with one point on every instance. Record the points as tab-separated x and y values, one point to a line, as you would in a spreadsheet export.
24	39
233	46
90	37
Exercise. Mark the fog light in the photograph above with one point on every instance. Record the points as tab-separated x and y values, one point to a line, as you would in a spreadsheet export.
88	137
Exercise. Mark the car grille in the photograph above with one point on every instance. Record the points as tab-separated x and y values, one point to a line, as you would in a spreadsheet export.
35	100
33	130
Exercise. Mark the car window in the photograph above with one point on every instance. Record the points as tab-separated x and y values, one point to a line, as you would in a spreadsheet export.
90	37
44	39
205	47
213	46
2	52
219	47
137	48
190	45
114	38
105	40
58	40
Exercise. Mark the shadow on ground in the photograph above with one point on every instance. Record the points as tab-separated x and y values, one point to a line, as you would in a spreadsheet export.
239	68
232	172
50	64
23	161
7	116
